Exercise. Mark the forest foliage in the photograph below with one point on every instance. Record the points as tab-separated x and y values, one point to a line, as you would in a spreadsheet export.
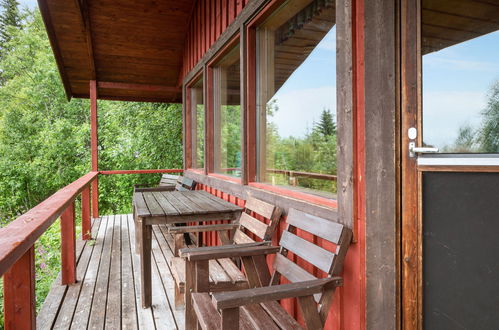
45	139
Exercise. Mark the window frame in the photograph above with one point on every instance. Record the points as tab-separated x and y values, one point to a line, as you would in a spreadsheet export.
211	125
190	122
253	150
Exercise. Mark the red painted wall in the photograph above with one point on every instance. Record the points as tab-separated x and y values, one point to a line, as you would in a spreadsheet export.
209	19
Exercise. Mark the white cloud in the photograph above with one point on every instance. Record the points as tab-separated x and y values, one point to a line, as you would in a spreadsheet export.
442	62
298	109
445	112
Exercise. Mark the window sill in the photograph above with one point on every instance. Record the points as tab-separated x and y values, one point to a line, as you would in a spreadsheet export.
296	194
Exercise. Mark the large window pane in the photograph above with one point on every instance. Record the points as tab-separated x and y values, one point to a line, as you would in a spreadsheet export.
227	121
460	46
198	120
296	71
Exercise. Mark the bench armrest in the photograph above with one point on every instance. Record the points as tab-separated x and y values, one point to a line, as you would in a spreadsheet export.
232	299
228	251
201	228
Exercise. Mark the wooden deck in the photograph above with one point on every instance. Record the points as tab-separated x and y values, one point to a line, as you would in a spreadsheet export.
107	294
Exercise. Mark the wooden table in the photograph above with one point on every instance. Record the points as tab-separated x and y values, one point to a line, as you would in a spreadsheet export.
168	207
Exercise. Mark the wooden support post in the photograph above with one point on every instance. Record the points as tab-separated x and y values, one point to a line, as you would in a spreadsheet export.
19	293
145	263
68	245
94	146
230	318
86	224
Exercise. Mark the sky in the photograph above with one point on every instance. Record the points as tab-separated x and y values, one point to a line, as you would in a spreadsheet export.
28	3
456	81
308	91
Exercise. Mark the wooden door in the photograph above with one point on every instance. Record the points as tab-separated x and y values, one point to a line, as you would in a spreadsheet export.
450	221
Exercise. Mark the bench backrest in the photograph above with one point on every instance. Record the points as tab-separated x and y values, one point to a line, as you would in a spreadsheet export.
168	180
329	262
249	224
184	184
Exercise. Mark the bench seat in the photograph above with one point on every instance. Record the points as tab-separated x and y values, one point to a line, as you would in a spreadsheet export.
267	315
224	276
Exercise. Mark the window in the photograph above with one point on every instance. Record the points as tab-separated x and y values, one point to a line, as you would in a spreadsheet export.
198	122
296	97
460	76
227	114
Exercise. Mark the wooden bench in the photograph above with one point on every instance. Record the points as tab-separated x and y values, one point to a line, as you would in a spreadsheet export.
224	273
166	183
258	308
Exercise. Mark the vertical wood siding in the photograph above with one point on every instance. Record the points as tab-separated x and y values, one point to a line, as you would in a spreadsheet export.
209	19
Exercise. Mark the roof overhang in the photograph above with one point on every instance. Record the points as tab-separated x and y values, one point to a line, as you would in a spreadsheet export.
133	49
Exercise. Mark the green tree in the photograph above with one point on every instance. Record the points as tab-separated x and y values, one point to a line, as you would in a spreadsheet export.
488	137
326	125
45	141
10	17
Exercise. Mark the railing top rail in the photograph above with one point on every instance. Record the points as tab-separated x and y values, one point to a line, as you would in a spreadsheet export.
19	235
304	174
109	172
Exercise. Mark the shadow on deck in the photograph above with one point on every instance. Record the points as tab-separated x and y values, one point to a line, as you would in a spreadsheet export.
107	294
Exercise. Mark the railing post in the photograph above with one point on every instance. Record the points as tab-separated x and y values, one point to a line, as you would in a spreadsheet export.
19	293
95	198
86	225
68	245
94	146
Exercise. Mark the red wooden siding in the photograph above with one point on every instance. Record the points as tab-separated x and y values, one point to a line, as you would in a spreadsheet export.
210	18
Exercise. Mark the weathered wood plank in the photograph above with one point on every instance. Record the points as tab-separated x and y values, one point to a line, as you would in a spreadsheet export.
84	305
255	226
140	205
317	226
113	306
144	316
70	300
162	256
310	252
153	205
98	308
165	204
128	307
258	317
209	317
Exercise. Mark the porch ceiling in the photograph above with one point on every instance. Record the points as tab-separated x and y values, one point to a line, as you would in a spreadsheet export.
134	48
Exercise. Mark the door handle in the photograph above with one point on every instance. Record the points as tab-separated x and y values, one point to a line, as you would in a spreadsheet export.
413	150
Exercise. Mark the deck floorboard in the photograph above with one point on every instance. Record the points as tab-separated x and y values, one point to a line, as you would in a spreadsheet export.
107	294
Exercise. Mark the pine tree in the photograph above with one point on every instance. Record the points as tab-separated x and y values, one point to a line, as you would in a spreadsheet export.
9	17
326	125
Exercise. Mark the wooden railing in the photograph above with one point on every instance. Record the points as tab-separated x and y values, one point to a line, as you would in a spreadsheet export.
17	239
310	175
17	255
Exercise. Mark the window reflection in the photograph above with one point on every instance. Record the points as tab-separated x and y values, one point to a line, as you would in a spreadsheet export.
297	97
460	46
227	121
198	118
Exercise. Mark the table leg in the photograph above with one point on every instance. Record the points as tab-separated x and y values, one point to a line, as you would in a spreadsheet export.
138	232
145	263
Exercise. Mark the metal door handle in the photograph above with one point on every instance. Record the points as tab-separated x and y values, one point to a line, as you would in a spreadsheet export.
413	150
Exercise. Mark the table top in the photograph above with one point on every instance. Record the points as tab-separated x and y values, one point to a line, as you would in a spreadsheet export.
180	203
